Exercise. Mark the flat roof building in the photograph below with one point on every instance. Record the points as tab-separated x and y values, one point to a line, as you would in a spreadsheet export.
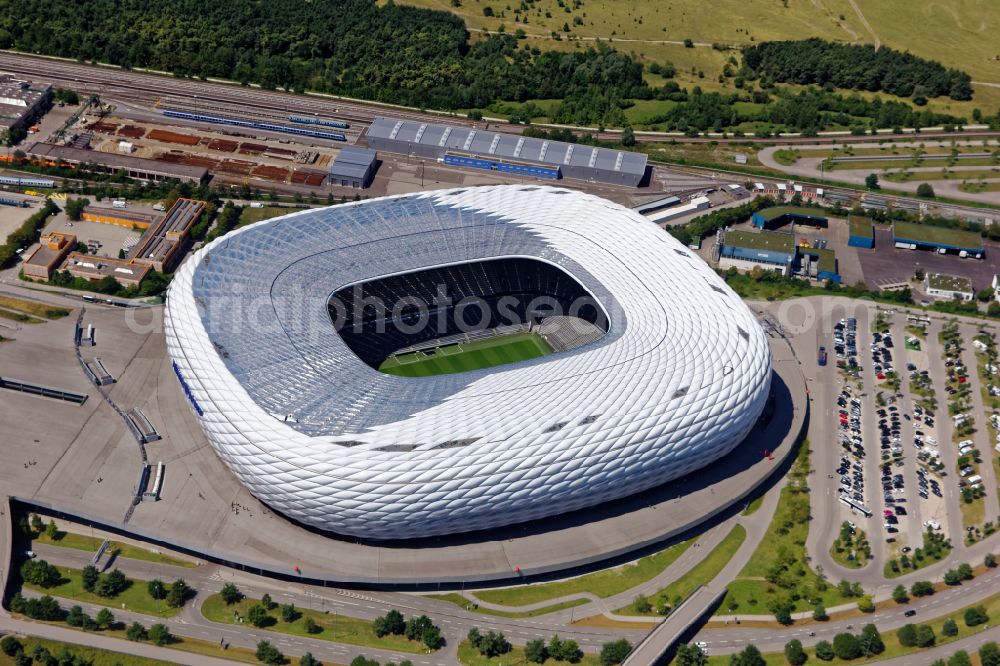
942	239
160	246
771	250
22	102
507	153
862	232
119	217
89	267
46	258
353	167
939	285
776	215
133	167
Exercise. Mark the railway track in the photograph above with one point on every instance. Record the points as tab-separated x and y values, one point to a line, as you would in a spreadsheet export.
148	88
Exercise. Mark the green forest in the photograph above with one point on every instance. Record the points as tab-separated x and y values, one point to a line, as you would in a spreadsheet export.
857	67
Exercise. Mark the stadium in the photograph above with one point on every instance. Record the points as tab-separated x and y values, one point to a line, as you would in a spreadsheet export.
461	360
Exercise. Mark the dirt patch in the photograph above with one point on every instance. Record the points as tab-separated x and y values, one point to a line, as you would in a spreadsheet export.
102	127
307	177
173	137
132	132
236	167
271	173
223	145
252	148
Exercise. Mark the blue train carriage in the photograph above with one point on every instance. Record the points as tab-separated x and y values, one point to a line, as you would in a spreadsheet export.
239	122
503	165
303	120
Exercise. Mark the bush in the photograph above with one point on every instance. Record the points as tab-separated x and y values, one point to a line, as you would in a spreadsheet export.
846	646
159	634
899	595
950	627
289	613
975	616
10	645
564	650
794	653
312	627
819	613
40	573
257	616
268	654
925	636
615	652
925	190
308	660
178	594
783	615
750	656
136	632
111	585
922	588
960	658
157	589
824	651
90	576
535	652
907	635
989	654
490	644
871	640
866	604
230	594
105	619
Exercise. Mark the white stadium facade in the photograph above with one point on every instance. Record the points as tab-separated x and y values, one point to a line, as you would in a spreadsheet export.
667	371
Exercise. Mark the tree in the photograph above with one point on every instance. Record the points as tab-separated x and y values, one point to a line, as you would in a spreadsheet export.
907	635
925	636
308	660
866	604
179	593
628	136
136	632
925	190
565	650
40	573
535	652
74	208
614	652
105	619
989	654
824	651
690	655
159	634
990	560
922	588
89	576
257	616
268	654
266	601
965	571
11	646
415	627
871	181
975	616
846	646
750	656
950	627
76	617
395	622
36	523
952	577
230	594
112	584
42	608
819	613
51	531
960	658
871	640
156	589
899	595
490	644
362	660
289	613
794	653
431	637
783	615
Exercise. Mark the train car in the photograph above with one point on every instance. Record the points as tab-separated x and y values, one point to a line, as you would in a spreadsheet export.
19	181
503	165
302	120
239	122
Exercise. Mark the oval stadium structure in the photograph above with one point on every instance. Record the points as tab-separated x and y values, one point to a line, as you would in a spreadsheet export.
461	360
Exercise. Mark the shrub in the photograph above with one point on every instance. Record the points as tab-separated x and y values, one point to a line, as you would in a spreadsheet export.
257	616
975	616
230	594
40	573
950	627
925	636
907	635
268	654
159	634
846	646
136	632
794	653
614	652
824	651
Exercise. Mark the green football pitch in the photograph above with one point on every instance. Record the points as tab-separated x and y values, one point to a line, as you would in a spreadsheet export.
465	356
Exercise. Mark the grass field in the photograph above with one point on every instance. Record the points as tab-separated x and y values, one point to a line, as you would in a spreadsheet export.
19	316
135	597
91	544
958	33
601	583
467	356
93	656
332	627
700	574
462	602
33	308
251	215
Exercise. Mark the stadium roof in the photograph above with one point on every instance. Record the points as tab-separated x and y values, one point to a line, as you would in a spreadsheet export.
677	381
925	234
511	146
772	241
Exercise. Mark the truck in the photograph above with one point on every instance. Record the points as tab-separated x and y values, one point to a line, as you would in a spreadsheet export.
119	203
159	206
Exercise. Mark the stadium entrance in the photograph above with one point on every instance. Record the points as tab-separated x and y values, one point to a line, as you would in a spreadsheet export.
465	317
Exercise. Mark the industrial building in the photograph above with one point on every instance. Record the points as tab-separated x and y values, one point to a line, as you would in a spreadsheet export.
22	102
44	261
951	287
817	264
862	232
694	205
912	236
353	167
160	246
507	153
89	267
133	167
775	216
771	250
119	217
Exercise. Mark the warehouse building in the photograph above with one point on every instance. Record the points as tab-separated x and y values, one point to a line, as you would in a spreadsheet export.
912	236
119	217
161	245
771	250
507	153
818	264
133	167
775	216
862	232
125	273
22	102
353	167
